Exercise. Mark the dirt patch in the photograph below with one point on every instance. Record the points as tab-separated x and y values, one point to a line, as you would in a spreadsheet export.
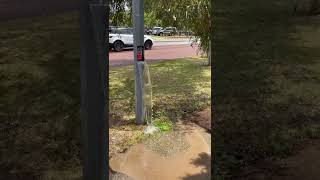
303	165
121	138
203	119
184	153
123	135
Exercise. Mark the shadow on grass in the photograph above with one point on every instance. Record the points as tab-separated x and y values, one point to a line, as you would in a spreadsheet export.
179	88
265	83
203	161
39	96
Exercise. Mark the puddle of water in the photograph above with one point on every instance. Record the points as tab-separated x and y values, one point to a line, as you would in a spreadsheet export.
142	163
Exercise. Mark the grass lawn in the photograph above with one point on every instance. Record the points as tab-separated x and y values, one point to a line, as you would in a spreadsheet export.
180	87
267	81
168	38
39	102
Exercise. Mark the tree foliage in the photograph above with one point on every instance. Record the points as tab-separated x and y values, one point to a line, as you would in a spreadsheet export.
151	20
194	15
119	16
191	15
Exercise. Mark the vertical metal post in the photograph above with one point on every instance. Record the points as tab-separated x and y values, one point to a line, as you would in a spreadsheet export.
209	53
93	73
138	23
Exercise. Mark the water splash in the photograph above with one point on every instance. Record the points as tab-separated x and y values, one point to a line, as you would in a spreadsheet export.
147	95
147	100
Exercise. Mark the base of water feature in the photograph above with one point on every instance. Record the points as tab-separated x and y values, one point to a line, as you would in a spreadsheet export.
151	129
142	162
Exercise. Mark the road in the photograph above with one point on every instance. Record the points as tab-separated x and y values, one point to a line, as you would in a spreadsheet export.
162	50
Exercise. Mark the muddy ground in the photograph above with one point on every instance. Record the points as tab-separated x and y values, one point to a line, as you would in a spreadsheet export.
184	153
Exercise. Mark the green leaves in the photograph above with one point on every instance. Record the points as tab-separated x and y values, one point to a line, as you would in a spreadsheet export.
191	15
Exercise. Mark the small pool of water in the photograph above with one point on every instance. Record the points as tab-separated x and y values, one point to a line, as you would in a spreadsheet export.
144	162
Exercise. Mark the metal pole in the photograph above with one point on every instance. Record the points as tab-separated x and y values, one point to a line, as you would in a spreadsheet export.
93	73
209	54
138	22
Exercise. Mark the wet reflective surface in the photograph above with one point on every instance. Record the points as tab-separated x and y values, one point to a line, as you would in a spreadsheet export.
182	154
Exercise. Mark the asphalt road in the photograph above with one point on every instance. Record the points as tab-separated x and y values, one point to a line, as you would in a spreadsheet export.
162	50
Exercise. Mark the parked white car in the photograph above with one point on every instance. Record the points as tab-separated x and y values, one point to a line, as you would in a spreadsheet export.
121	38
156	31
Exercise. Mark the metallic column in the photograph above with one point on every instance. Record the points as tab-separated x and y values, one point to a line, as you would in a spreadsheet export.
138	23
93	73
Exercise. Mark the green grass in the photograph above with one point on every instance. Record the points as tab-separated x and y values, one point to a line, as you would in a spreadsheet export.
164	125
39	102
180	87
39	87
166	38
267	81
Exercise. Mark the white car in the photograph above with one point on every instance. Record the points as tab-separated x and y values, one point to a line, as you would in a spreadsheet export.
121	38
156	31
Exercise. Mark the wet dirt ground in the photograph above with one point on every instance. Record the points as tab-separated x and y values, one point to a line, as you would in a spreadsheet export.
183	154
